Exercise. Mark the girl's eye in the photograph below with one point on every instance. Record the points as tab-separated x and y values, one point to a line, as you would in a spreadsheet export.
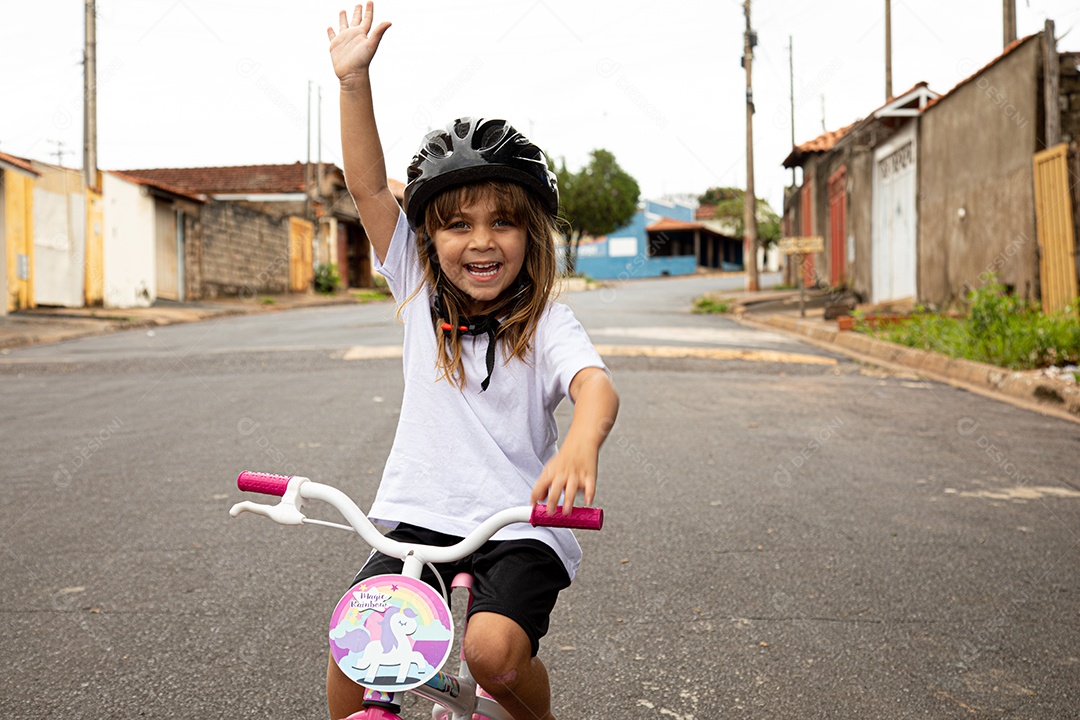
457	225
503	223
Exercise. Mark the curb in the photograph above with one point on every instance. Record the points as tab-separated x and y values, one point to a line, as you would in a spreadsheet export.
1028	389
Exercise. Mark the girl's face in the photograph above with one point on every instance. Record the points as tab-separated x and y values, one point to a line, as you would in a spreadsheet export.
480	251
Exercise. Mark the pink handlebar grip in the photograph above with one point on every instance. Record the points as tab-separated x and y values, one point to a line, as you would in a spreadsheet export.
265	483
581	518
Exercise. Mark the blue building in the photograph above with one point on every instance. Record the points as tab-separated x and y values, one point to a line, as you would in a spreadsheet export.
661	239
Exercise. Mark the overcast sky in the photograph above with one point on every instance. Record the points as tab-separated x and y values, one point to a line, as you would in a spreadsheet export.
187	83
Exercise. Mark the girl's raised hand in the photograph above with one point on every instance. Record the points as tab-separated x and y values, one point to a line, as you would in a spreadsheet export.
354	44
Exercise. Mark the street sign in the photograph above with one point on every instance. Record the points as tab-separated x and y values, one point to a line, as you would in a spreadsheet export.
801	245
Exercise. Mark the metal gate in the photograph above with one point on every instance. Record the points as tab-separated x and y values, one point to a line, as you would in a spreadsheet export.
1054	226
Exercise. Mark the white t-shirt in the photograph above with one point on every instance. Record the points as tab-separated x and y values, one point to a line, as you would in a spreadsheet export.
461	455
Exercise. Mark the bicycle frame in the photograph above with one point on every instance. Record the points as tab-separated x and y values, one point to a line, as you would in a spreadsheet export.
455	695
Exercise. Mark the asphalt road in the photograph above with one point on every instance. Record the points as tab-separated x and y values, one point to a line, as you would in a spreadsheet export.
783	539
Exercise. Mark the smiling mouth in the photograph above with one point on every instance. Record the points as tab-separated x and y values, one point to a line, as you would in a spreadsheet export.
483	271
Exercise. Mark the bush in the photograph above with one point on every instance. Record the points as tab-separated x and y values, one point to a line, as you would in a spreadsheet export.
327	279
999	329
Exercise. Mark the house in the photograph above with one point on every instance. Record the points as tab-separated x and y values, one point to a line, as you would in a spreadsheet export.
666	238
150	243
728	239
929	194
17	178
172	234
259	230
869	236
657	241
979	178
67	263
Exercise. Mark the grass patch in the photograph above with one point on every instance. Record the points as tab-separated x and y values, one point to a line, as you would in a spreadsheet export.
366	296
712	306
268	301
999	329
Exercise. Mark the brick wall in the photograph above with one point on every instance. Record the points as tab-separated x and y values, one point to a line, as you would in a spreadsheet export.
242	252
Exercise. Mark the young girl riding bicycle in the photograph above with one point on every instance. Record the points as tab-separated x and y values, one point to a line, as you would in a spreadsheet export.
488	356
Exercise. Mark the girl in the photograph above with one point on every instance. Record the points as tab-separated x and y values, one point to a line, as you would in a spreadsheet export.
487	358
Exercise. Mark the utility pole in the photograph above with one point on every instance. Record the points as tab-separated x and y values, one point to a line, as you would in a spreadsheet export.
307	164
318	145
1009	21
888	51
90	99
749	199
791	81
1051	86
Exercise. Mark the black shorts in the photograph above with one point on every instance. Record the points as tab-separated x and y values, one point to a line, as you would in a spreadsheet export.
519	579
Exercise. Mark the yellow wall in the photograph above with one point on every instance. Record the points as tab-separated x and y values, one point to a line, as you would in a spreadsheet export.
93	258
19	236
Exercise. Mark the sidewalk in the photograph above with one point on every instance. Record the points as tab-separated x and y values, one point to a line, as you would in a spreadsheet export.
1037	390
51	324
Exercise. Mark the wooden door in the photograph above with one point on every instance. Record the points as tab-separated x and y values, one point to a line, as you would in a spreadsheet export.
301	236
1054	228
166	257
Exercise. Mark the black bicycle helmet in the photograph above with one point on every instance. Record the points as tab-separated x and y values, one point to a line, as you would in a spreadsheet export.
473	150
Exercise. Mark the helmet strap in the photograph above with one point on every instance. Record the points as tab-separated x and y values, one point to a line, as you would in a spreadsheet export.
476	325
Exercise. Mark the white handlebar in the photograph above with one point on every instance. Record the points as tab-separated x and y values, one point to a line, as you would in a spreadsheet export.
288	512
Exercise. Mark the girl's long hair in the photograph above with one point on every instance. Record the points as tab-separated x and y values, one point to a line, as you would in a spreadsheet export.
520	306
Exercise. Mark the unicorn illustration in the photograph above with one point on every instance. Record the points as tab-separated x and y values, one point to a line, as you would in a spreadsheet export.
393	647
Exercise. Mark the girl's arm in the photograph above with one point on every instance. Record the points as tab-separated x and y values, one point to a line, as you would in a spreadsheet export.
351	50
573	469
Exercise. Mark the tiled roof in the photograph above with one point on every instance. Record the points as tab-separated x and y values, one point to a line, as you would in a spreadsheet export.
227	180
705	212
827	141
671	225
21	163
822	143
241	179
1008	49
712	226
167	187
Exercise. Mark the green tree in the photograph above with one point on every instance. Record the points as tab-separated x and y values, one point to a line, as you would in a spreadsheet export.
729	208
597	200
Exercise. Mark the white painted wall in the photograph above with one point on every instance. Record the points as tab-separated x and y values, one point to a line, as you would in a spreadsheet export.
59	243
128	244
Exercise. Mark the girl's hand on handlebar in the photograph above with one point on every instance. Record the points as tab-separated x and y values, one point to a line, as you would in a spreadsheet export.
571	471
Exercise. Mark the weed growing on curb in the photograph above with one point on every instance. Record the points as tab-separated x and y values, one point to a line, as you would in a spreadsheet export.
999	329
706	304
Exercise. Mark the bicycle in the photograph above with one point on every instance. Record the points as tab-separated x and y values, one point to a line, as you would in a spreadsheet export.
388	625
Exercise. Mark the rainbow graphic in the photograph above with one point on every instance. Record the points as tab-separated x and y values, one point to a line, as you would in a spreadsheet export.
358	621
402	593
